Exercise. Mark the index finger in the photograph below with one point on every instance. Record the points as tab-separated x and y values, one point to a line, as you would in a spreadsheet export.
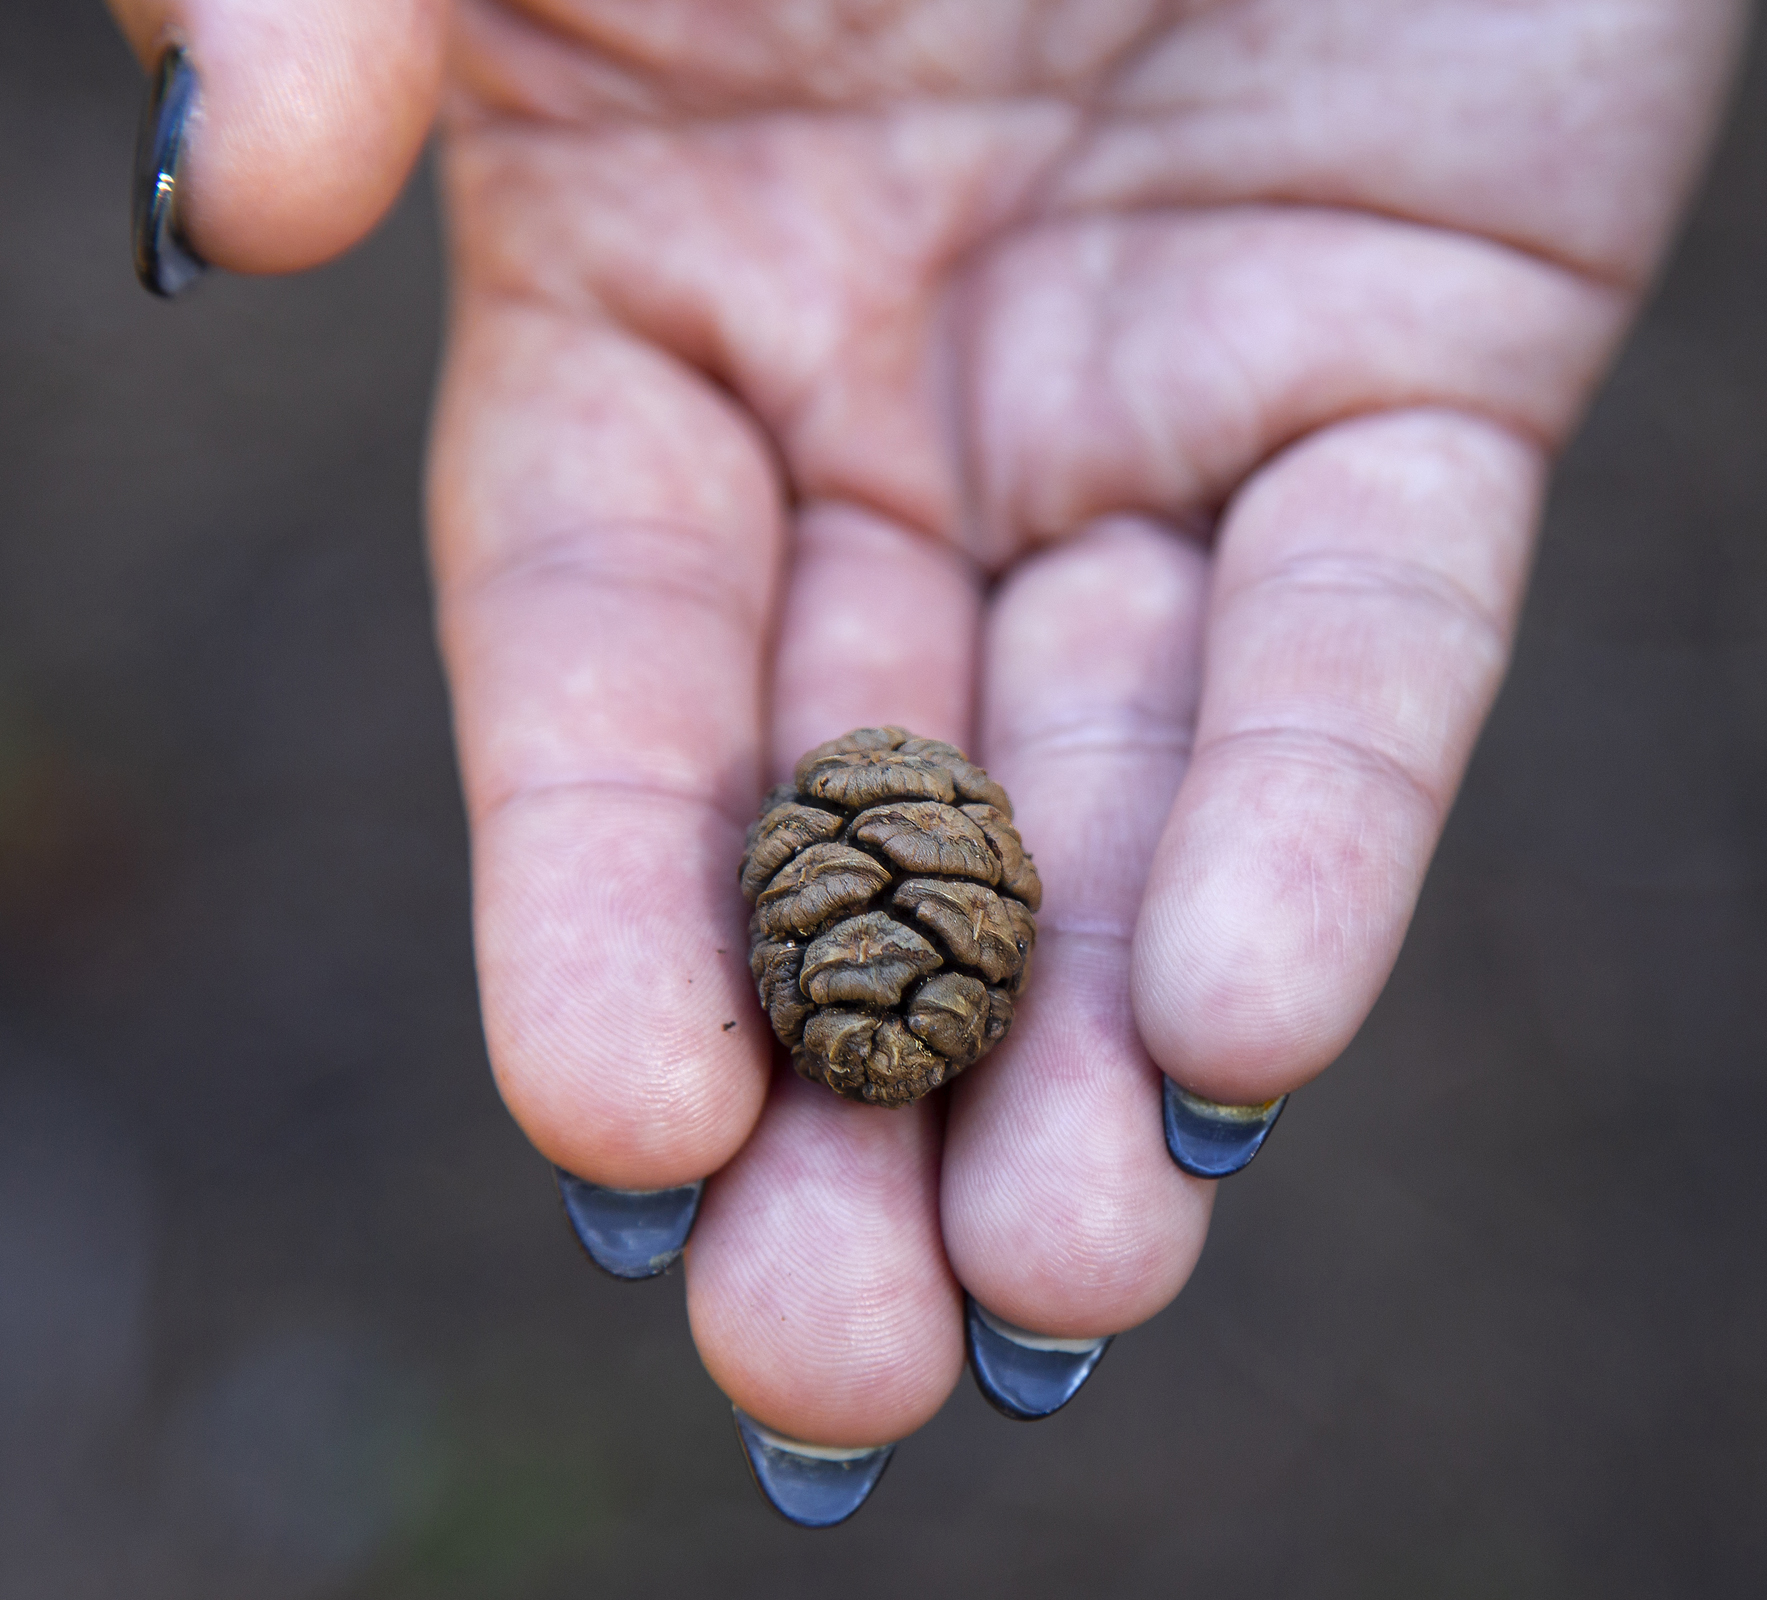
607	533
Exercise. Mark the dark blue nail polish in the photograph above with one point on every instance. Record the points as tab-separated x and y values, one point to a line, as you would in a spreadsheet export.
1213	1141
632	1233
164	262
812	1485
1026	1375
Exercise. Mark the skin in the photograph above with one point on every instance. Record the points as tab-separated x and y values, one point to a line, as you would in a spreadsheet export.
1155	400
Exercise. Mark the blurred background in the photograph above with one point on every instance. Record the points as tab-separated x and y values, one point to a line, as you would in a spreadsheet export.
287	1308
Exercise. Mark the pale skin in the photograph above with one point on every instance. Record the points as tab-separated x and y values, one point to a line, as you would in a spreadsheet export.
1154	400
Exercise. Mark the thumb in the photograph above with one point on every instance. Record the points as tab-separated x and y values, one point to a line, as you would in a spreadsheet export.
309	115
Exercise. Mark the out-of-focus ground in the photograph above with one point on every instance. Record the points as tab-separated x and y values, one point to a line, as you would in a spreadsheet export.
286	1306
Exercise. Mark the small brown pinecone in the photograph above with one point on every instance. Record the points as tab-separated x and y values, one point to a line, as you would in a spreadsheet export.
893	920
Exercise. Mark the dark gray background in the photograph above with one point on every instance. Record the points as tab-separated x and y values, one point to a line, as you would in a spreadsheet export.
286	1305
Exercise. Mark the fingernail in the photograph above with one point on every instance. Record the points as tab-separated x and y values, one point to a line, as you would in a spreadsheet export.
1026	1375
632	1233
164	262
812	1485
1210	1140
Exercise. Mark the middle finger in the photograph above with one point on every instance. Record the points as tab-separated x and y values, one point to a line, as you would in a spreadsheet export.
817	1285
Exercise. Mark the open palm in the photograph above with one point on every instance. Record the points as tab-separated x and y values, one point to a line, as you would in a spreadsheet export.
1153	399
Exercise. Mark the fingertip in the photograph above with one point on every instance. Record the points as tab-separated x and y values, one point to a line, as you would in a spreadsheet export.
1275	910
630	1136
1062	1211
817	1287
619	1011
307	122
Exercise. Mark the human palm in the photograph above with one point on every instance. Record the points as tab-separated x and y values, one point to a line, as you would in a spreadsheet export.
1154	400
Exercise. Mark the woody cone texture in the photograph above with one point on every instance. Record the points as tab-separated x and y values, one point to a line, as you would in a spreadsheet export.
893	914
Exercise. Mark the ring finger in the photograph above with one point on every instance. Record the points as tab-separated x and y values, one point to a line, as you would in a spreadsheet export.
1063	1213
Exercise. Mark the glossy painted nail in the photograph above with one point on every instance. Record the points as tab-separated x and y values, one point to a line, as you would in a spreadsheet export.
631	1233
1210	1140
164	261
812	1485
1026	1375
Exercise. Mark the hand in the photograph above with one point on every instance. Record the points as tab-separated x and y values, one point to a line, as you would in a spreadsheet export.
1158	406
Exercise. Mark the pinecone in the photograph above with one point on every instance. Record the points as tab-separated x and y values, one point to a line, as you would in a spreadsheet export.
893	920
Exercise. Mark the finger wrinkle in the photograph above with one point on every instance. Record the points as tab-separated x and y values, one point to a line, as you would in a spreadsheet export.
1348	573
1539	438
591	785
1615	285
650	556
1136	737
1293	744
867	527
